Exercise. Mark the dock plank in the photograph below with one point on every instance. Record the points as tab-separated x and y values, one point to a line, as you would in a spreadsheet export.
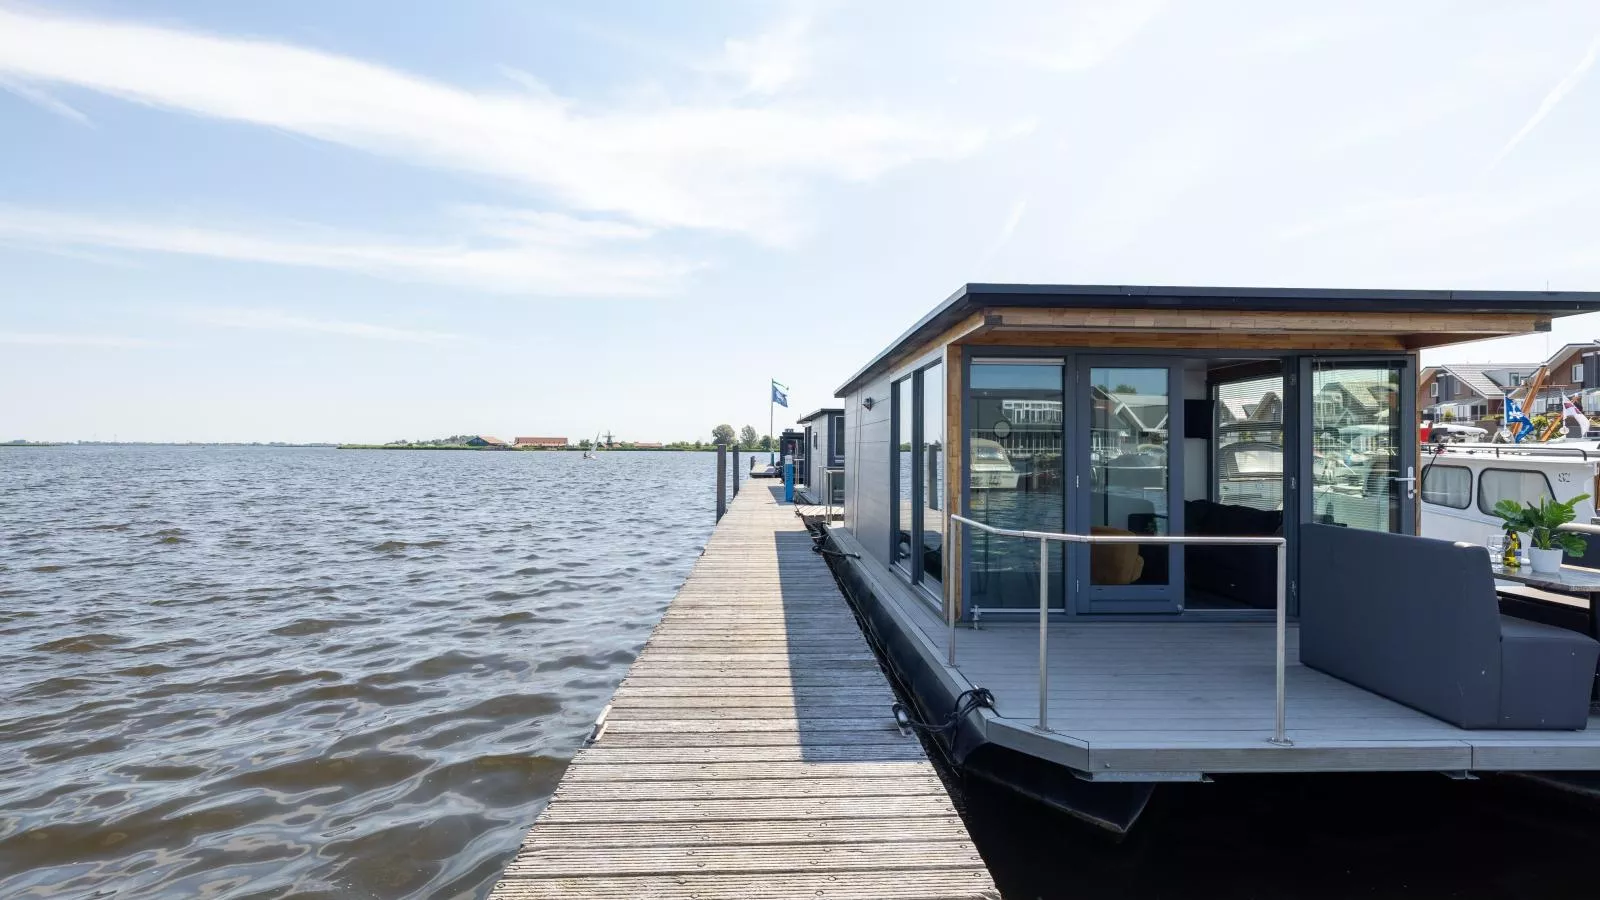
750	752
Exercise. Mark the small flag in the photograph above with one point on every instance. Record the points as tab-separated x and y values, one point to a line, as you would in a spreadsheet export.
1572	413
1516	417
778	394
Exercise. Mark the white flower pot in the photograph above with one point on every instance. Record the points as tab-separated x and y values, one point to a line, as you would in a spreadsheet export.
1546	562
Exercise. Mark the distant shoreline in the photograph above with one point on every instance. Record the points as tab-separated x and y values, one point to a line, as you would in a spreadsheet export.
281	445
493	448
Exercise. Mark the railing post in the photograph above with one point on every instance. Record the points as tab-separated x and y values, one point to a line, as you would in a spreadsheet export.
1044	633
722	480
736	471
827	501
1279	737
950	594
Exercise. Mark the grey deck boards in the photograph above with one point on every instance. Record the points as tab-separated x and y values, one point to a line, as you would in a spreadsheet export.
750	751
1199	697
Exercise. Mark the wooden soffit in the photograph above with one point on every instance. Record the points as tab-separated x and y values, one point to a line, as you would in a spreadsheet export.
1230	329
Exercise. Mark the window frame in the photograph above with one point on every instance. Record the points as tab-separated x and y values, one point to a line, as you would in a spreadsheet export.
898	409
1577	373
836	439
1482	477
1423	494
1433	389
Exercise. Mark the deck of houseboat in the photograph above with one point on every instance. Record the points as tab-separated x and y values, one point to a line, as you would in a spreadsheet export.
1175	700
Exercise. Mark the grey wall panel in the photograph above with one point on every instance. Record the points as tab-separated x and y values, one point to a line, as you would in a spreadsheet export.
866	455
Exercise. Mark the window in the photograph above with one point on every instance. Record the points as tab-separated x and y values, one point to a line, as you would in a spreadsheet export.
900	473
1433	390
1447	486
918	466
1516	379
1522	486
1577	373
836	439
930	455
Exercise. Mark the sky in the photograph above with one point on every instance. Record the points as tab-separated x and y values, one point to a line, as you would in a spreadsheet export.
373	219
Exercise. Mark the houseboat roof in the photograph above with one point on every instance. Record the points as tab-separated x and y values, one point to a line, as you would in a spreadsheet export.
819	413
972	298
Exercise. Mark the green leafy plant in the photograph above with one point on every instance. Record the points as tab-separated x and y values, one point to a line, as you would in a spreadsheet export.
1542	521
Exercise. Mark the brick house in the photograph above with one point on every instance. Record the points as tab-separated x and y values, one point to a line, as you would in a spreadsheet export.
1465	393
542	443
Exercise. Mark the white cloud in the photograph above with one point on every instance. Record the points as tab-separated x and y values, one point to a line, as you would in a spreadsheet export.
276	320
52	339
771	61
1552	100
1082	37
44	101
733	168
508	251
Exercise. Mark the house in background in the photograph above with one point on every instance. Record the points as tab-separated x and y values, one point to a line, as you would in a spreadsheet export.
821	450
543	443
484	440
643	445
1572	370
1469	392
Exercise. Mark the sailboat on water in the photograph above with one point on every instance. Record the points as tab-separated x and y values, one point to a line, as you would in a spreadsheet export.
595	452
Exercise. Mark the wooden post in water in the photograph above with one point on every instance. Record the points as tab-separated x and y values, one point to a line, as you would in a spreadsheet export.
722	480
736	471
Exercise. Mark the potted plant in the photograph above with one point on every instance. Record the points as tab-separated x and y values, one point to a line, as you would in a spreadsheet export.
1541	523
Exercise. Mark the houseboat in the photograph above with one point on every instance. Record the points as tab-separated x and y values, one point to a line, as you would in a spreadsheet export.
1111	537
819	466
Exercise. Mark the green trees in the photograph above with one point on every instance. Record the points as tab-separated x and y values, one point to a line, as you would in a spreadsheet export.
722	434
748	437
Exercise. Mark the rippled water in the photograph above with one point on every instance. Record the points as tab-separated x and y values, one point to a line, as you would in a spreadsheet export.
258	672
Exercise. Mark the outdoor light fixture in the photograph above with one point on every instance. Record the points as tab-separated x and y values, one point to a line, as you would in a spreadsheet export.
867	403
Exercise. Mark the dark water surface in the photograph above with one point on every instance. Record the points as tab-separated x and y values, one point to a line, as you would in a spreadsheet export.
259	672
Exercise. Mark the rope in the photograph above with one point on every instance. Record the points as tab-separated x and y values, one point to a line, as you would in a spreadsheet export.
966	702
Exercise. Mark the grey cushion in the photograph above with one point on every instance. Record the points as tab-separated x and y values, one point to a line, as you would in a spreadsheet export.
1417	620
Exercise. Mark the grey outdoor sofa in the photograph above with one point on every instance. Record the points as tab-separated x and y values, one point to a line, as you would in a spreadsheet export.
1417	620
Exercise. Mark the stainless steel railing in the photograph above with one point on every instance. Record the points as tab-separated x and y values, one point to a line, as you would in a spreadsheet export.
1279	737
827	491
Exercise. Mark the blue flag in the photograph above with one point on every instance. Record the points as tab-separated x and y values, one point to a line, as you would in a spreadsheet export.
1517	421
778	395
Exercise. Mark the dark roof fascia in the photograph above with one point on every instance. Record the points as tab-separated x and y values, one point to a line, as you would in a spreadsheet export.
826	410
973	297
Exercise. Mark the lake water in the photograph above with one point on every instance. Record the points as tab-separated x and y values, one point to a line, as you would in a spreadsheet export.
265	672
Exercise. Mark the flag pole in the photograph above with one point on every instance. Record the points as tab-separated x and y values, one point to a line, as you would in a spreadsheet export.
772	446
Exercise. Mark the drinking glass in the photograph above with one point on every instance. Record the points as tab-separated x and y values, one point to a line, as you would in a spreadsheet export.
1497	551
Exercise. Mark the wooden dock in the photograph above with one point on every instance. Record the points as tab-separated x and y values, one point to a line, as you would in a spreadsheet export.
750	752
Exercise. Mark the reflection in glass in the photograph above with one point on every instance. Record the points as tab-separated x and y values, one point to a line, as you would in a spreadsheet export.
902	473
1247	443
1246	492
1016	479
1356	435
931	455
1128	413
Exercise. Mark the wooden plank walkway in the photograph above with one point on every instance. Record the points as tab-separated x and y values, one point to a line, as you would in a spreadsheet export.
750	751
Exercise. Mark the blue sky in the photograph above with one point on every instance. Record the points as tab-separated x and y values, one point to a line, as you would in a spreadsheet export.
371	220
